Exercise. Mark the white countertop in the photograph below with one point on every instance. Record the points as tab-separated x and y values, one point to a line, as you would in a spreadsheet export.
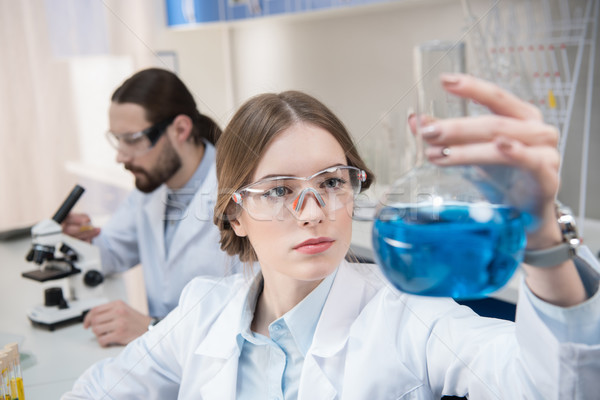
51	361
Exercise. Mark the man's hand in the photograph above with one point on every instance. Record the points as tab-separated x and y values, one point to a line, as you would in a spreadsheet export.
116	323
80	227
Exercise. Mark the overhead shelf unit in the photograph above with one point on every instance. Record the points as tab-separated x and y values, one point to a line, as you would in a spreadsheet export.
191	12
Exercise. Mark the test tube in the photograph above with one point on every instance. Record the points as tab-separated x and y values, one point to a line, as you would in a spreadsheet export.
16	379
3	394
4	376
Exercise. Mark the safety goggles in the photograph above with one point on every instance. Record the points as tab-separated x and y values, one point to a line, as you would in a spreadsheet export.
332	188
138	143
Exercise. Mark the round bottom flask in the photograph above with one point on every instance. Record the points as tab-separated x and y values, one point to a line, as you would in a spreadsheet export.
447	231
437	234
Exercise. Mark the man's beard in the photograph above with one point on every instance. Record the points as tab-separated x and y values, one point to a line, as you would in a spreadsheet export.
167	165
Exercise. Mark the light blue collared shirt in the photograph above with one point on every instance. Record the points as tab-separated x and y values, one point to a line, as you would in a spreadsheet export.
270	368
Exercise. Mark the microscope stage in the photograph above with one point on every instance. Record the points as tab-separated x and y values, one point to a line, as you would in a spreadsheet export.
52	317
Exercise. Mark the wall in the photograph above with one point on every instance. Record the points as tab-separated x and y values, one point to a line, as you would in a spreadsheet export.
31	116
359	62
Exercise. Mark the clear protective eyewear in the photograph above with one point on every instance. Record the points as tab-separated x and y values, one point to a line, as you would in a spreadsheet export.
138	143
333	188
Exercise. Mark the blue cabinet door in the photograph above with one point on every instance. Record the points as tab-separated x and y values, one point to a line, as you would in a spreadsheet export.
185	12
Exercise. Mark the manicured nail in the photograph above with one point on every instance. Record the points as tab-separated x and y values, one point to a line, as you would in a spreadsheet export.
430	131
450	79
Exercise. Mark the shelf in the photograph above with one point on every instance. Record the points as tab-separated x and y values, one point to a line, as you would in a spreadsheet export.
194	13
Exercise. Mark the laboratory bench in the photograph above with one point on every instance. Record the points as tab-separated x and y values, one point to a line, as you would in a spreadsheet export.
50	361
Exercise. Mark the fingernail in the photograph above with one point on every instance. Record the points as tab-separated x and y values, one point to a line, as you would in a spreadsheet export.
450	79
430	131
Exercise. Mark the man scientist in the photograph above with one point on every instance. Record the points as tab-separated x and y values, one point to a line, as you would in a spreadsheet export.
166	222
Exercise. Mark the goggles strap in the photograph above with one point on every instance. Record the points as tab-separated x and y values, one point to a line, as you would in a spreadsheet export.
156	131
300	199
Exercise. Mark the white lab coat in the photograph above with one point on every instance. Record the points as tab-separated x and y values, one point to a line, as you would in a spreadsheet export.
135	234
371	342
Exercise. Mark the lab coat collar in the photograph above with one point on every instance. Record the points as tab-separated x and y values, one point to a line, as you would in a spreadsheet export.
333	332
220	349
339	313
315	382
221	339
331	336
199	212
197	215
153	208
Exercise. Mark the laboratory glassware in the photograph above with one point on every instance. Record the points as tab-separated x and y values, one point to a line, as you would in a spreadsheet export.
447	231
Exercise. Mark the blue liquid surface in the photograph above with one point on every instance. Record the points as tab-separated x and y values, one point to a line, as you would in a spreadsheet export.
458	250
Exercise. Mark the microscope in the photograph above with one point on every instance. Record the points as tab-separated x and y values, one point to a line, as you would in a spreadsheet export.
66	260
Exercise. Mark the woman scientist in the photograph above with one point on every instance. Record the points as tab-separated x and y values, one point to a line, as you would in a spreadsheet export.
309	325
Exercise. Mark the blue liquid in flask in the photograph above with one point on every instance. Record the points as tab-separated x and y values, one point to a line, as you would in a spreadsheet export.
459	250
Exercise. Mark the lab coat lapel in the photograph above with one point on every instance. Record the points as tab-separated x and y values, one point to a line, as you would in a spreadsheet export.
223	384
154	211
315	382
197	214
328	350
220	350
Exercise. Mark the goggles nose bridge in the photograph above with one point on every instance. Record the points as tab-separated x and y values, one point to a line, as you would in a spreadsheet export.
300	199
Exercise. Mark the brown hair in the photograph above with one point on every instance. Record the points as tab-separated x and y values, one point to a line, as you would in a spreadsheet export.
244	141
163	95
